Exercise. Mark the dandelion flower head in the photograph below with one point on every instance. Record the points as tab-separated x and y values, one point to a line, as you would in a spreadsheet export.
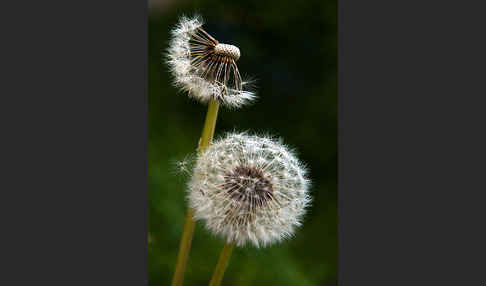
249	189
205	68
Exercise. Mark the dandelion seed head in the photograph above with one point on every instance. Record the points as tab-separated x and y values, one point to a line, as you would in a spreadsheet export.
258	197
205	68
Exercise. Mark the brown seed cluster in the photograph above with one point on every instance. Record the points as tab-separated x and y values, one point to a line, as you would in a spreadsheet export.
214	61
248	185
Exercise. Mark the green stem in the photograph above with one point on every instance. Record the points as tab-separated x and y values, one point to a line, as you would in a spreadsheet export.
189	224
223	261
209	125
184	249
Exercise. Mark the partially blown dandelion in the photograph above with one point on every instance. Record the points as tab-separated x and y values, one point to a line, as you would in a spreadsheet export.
249	189
204	67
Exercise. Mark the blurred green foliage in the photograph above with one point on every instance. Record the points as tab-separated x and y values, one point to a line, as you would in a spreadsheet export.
290	48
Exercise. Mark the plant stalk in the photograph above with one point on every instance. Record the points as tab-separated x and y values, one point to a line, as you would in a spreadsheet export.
189	224
223	261
209	125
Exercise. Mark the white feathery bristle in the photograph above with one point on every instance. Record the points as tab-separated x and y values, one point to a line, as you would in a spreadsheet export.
249	189
186	75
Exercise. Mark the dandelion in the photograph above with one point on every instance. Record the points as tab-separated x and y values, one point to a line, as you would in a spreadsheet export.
205	68
249	189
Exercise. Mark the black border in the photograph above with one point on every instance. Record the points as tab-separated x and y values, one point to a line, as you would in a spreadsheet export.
411	142
74	143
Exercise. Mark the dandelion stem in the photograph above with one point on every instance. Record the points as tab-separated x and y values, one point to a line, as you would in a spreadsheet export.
209	125
184	249
223	261
189	224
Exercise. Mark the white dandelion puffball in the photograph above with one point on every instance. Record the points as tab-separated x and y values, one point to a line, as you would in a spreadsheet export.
205	68
249	189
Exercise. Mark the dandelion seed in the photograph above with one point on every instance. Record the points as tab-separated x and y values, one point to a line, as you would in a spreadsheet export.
254	200
184	166
204	67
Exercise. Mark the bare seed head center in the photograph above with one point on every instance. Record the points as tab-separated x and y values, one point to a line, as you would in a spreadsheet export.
228	51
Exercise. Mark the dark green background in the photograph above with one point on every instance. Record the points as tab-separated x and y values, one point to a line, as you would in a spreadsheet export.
290	48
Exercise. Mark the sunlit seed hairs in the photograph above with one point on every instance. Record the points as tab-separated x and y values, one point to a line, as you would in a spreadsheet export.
249	189
204	67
